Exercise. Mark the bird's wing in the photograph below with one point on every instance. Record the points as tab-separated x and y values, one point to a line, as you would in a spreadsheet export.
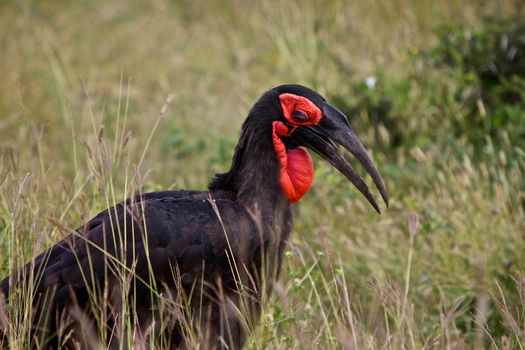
154	235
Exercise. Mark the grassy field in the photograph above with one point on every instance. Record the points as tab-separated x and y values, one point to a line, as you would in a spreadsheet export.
99	98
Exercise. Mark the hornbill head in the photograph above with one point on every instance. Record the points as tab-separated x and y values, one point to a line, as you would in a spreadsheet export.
307	120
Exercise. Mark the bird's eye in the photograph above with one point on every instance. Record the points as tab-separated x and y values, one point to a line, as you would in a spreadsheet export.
300	116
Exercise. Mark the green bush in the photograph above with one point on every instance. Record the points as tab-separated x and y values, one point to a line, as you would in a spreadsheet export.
469	87
489	66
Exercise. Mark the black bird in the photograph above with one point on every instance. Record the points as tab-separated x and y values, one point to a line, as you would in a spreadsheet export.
200	260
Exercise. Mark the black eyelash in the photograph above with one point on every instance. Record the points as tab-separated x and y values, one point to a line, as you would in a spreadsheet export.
299	115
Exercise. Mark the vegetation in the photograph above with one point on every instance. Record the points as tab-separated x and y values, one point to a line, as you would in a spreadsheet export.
99	99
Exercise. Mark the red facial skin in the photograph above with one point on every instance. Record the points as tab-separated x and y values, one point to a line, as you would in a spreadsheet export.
296	166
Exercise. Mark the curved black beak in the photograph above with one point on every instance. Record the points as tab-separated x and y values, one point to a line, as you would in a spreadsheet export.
332	130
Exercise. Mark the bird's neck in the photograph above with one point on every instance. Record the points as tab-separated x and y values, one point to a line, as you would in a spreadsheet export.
253	181
253	176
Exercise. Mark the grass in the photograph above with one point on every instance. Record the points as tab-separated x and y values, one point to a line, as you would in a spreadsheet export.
100	99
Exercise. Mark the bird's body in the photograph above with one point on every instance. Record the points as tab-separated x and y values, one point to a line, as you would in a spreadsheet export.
213	252
190	234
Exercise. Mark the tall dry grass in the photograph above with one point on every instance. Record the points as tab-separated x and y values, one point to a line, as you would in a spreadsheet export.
85	120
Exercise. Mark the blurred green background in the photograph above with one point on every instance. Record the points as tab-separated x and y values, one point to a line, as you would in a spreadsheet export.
100	98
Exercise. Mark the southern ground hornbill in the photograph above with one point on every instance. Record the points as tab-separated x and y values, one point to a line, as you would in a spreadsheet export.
198	260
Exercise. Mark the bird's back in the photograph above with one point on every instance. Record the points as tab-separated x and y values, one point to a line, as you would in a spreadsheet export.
167	241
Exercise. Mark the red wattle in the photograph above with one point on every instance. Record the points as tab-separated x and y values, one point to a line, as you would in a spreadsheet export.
296	168
297	177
